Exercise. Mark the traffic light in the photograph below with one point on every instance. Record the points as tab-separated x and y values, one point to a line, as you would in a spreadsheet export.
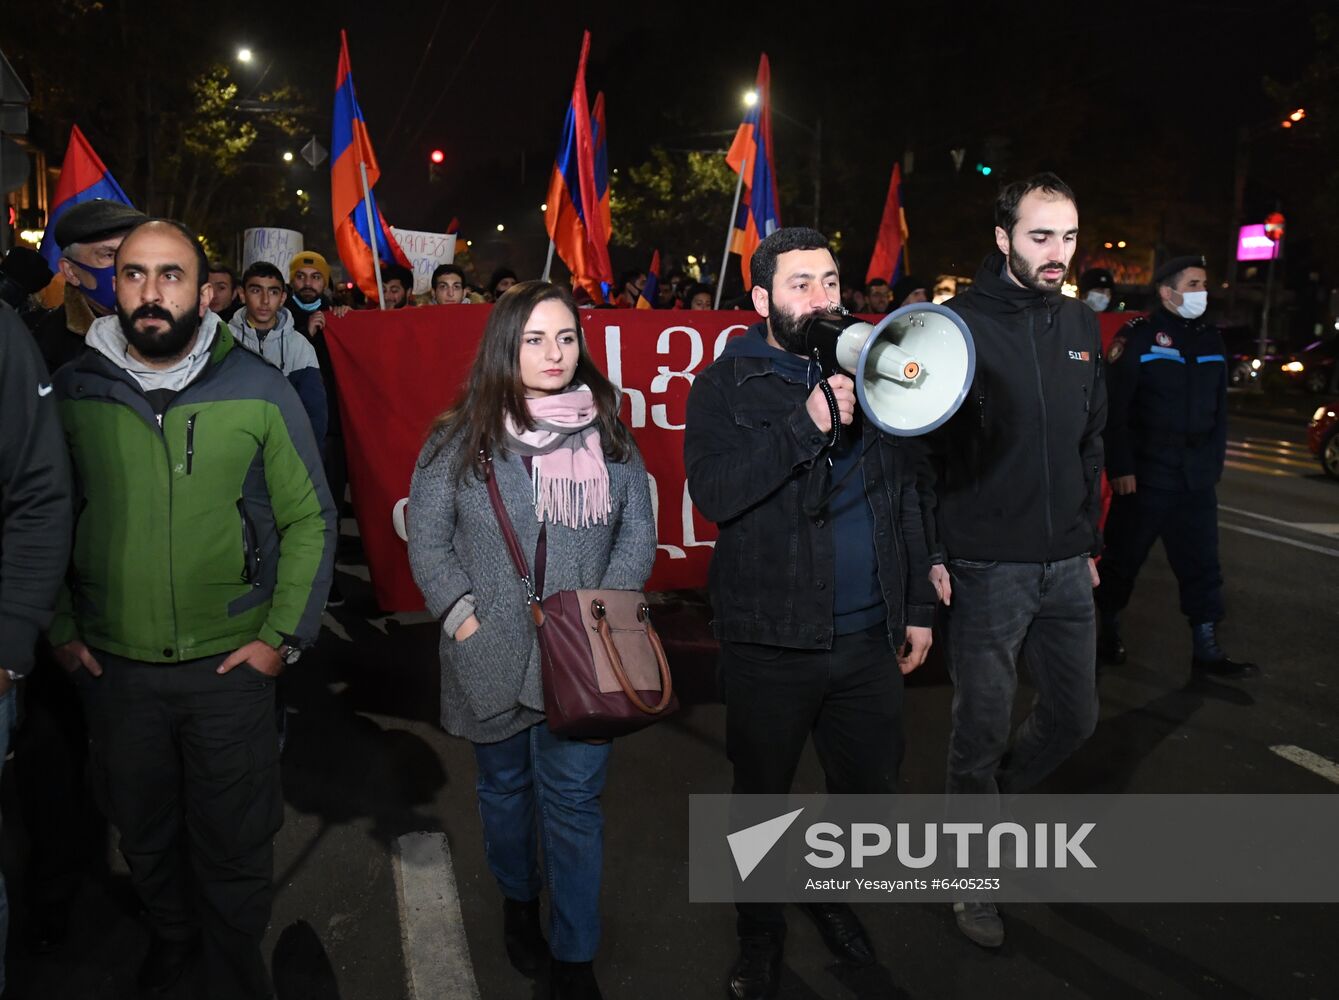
435	160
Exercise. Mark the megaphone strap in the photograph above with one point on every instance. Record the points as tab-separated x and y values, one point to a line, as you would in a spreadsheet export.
833	412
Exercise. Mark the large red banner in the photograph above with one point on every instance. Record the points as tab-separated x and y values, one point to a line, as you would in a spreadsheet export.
397	370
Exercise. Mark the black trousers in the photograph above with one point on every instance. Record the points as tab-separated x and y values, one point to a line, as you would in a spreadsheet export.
1187	523
64	830
849	698
190	764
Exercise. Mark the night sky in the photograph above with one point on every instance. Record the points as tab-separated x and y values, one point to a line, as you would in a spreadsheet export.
1136	105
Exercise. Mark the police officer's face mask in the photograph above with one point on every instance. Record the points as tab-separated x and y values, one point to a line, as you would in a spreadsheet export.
1098	300
1193	305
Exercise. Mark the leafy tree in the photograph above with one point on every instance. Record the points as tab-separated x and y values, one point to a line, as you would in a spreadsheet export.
165	115
648	203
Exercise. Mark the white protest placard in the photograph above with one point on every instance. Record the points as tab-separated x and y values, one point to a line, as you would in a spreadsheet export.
425	252
278	246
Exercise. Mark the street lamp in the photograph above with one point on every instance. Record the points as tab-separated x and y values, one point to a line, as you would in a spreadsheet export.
245	55
501	227
288	157
816	133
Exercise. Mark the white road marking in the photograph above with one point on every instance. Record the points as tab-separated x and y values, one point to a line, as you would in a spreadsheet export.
1276	459
332	623
1268	443
1272	520
1318	528
1243	467
1280	539
1313	762
437	956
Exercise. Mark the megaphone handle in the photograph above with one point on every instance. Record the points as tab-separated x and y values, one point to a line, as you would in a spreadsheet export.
833	412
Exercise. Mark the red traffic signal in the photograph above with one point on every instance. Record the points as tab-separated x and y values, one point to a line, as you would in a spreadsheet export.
436	156
1274	226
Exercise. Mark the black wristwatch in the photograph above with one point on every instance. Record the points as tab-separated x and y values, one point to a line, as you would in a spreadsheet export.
289	654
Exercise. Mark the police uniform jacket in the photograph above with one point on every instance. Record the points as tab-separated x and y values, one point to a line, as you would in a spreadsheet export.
1167	389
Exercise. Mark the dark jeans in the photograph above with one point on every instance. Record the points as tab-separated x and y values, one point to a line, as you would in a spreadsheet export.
849	698
561	780
1187	523
1043	612
183	750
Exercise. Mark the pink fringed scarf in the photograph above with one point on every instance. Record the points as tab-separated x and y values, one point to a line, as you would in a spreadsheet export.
570	478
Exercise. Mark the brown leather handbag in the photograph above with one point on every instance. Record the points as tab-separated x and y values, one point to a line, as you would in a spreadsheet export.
604	669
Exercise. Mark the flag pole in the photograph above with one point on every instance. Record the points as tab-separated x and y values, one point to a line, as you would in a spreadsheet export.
734	211
372	234
548	263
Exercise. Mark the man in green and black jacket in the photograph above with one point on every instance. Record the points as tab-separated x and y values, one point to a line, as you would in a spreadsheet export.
203	550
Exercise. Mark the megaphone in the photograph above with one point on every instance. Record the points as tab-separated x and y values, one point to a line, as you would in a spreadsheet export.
911	372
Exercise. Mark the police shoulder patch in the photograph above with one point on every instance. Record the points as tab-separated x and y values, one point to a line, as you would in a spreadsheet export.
1116	349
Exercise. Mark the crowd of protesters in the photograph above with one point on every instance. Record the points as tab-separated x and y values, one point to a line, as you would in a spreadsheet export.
172	461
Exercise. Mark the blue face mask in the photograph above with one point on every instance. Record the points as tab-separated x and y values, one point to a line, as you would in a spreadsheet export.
307	307
102	293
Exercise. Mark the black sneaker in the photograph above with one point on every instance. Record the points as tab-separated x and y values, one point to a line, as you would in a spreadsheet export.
335	598
573	981
164	964
1208	656
1110	649
1225	668
526	948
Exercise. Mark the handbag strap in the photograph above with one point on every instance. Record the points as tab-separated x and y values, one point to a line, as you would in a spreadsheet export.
508	532
621	674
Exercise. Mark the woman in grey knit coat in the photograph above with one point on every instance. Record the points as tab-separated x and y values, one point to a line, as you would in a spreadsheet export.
537	406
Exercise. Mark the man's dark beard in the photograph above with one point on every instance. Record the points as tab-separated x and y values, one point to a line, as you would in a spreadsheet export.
166	345
307	295
788	330
1029	277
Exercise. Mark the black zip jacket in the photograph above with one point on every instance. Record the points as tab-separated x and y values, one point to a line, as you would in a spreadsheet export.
34	495
1015	475
753	457
1168	421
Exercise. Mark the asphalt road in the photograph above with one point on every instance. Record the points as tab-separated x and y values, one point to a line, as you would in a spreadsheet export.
366	766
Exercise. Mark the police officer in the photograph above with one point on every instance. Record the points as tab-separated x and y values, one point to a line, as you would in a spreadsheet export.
1096	287
1166	437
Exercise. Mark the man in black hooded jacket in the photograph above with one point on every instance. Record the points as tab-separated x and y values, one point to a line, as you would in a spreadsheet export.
1014	489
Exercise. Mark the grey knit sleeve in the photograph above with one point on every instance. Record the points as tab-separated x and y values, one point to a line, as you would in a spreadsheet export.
431	522
634	550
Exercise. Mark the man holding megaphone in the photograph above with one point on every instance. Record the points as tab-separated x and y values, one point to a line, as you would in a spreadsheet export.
820	579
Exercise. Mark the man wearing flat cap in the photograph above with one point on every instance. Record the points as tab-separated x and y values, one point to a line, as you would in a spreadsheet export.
87	235
1166	439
